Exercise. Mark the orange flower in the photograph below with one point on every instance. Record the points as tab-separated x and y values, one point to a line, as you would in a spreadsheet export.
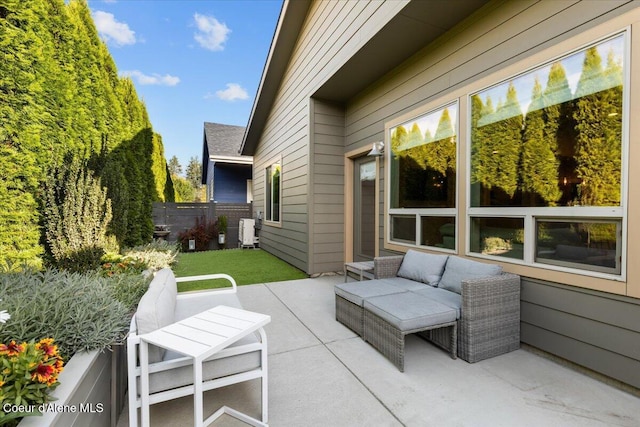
12	349
49	350
57	366
43	374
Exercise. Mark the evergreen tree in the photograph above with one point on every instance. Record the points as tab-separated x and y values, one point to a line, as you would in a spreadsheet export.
507	144
598	123
175	168
76	216
539	162
20	110
61	93
442	156
398	140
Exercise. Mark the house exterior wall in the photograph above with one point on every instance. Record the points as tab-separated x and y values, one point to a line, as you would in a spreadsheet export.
581	318
230	182
327	206
324	44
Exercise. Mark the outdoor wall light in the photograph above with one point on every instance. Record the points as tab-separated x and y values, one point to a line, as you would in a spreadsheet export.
377	150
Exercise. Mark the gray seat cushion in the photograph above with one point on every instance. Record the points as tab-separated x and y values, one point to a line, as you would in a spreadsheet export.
422	267
459	269
404	284
448	298
356	292
409	311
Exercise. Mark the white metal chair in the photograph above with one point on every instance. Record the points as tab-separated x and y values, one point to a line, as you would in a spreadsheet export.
172	376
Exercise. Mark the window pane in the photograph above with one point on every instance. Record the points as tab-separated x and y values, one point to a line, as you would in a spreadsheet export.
276	191
438	231
498	236
267	203
272	196
579	244
423	161
403	228
547	138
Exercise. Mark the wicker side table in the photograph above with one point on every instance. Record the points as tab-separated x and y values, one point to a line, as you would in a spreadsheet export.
364	269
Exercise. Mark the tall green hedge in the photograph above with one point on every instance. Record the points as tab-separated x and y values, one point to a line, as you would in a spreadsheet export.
60	93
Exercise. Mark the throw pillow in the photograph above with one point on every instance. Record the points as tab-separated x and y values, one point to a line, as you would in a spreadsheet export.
156	308
459	269
422	267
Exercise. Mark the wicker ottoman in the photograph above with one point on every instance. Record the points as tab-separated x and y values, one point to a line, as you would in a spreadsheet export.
388	318
350	297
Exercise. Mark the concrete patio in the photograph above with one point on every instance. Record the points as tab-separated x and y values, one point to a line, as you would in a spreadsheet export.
322	374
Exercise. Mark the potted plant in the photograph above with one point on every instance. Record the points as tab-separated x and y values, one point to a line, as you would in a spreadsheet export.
222	230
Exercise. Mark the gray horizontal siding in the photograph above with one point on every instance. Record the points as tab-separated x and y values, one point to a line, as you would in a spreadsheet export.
594	329
597	330
326	248
333	31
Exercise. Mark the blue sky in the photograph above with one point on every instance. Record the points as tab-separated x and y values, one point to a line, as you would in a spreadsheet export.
191	60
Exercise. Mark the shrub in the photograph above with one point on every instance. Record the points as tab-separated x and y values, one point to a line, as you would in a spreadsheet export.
203	232
76	216
156	255
81	311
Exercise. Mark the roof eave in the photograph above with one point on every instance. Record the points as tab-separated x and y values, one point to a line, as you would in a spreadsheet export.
292	17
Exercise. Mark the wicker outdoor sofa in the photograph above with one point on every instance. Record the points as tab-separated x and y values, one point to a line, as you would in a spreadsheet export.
471	309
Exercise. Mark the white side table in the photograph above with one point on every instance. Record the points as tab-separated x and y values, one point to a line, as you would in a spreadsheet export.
200	337
363	268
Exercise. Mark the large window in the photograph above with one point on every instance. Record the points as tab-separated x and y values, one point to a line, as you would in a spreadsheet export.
273	194
546	162
422	174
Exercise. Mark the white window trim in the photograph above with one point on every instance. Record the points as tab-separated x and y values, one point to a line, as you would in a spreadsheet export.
570	213
421	212
267	165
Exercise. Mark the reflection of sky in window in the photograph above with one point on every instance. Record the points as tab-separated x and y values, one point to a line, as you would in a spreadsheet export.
572	66
431	120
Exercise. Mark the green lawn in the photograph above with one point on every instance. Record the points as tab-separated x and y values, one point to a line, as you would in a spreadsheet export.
246	266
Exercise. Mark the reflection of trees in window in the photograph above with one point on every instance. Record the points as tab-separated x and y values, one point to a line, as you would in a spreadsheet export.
498	143
599	123
272	201
566	151
423	168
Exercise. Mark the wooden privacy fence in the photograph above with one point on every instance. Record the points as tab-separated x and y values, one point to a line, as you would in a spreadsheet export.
182	216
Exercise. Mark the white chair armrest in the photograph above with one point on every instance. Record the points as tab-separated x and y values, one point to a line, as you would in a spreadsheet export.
233	289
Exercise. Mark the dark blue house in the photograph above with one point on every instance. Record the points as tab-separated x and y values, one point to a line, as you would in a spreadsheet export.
226	173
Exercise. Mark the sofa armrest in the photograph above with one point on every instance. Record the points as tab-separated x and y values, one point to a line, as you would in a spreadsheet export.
388	266
490	296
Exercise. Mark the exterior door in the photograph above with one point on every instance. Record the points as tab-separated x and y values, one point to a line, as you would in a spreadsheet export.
364	209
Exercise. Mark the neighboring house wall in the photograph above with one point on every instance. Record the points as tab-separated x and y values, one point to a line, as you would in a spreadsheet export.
325	43
230	182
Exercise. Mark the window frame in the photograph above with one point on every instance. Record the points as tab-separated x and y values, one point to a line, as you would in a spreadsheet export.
419	213
268	194
575	213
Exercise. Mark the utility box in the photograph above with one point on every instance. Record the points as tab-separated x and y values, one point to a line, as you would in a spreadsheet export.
247	233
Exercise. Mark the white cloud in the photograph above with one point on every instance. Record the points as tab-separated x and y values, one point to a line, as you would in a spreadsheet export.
211	33
153	79
112	30
233	92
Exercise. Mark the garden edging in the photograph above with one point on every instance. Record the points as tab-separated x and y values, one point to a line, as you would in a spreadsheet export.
84	396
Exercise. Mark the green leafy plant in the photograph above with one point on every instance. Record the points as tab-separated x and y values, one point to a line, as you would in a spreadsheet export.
29	372
203	232
222	224
77	215
155	255
83	311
